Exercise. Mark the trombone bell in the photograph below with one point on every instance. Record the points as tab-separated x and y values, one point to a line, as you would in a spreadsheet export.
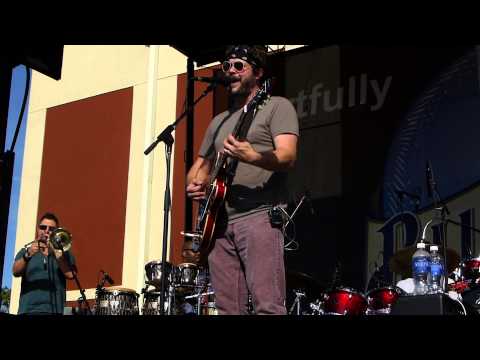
61	239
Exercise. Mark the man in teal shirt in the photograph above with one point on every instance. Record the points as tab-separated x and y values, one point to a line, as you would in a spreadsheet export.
44	271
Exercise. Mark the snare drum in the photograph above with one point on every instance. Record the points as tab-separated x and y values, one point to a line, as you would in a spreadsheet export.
186	276
153	271
381	300
344	301
116	301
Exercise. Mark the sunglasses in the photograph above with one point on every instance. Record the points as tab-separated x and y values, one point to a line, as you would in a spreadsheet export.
238	65
45	227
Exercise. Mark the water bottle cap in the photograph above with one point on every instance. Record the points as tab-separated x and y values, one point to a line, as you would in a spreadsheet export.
421	245
434	248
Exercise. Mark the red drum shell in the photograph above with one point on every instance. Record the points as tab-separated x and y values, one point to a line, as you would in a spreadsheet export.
471	270
383	298
345	301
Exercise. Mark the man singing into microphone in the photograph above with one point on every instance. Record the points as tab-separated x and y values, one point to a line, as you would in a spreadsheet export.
44	271
247	256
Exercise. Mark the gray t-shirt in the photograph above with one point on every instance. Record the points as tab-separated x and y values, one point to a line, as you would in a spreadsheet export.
253	188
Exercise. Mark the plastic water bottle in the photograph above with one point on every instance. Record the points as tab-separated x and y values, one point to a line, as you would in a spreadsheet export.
420	270
436	271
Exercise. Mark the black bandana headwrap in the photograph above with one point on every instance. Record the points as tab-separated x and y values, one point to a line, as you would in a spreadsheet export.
253	54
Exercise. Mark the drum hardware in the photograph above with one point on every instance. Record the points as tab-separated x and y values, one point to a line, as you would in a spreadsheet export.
316	307
186	282
306	290
170	299
296	304
250	306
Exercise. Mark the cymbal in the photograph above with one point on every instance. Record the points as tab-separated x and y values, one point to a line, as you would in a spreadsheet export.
401	262
301	281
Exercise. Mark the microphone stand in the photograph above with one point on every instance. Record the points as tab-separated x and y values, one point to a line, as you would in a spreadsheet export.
167	138
444	212
75	277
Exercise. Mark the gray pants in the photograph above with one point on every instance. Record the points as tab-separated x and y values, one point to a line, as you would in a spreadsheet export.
248	257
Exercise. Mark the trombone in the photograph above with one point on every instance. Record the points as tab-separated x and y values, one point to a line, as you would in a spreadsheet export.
60	239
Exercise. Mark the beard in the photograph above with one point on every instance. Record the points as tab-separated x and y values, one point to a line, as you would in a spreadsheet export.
246	86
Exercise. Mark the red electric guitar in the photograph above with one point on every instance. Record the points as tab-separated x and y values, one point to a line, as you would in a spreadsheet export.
220	179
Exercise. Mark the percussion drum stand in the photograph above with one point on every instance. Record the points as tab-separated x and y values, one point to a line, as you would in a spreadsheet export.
171	299
200	295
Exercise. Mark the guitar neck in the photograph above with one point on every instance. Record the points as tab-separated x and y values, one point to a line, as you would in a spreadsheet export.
241	127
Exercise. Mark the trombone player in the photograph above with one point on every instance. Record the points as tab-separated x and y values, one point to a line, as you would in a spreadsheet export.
44	269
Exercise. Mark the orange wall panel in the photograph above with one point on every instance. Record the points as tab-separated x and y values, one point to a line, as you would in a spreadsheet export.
84	179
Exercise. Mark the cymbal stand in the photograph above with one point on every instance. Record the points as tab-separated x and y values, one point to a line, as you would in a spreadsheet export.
298	295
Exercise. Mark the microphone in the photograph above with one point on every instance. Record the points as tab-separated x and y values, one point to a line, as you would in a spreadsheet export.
107	277
216	80
430	180
309	202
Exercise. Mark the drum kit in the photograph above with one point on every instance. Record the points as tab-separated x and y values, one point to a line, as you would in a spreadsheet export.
464	282
188	292
338	300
